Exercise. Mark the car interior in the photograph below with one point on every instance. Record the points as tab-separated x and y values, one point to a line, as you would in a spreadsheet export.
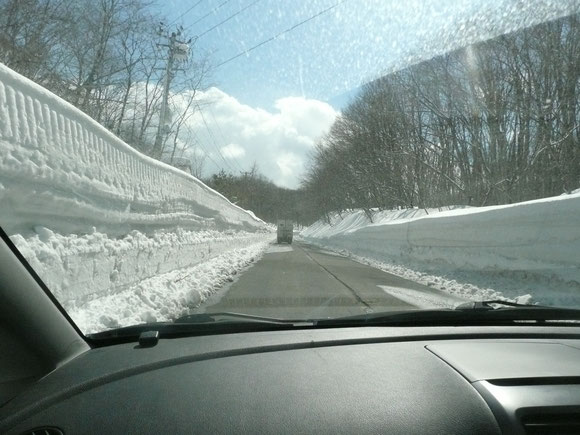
518	378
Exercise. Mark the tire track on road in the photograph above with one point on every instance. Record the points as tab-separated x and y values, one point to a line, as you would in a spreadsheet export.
352	290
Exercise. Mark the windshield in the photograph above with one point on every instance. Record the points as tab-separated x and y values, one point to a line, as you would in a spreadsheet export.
312	159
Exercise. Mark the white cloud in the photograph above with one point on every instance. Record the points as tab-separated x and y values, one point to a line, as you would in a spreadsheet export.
278	141
289	164
309	118
233	151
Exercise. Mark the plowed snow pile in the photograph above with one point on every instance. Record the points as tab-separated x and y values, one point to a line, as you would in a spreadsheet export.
528	251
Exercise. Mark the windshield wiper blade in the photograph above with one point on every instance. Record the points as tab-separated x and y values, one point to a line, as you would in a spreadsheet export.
215	317
489	305
471	314
388	318
200	324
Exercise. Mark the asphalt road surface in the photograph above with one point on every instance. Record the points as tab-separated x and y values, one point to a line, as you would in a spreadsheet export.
302	281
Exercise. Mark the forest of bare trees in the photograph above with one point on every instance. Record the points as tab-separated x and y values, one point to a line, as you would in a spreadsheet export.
252	191
493	123
108	58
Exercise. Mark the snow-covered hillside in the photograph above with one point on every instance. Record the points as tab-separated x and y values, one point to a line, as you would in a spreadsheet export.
118	237
512	250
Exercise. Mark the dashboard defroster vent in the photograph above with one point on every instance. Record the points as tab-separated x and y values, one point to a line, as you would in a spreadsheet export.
46	430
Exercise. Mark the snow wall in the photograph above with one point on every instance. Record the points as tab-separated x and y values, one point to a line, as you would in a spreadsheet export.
535	237
62	170
84	267
92	215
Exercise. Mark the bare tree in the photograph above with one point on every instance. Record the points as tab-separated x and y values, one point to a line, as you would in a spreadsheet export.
495	122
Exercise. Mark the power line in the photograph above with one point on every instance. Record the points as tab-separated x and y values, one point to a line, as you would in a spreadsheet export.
210	12
200	143
185	13
213	138
228	18
279	34
223	137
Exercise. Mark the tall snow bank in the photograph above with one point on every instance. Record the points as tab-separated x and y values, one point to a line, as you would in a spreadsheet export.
77	268
62	170
166	296
538	239
357	219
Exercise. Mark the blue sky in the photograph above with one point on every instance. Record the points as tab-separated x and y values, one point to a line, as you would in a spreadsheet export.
337	51
327	58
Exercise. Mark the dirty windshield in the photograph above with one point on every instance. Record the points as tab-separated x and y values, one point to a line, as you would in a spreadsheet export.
305	159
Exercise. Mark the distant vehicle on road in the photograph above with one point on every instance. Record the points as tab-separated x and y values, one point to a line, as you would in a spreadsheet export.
285	231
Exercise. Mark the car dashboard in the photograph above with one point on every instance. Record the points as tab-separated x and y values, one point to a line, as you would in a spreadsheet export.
519	380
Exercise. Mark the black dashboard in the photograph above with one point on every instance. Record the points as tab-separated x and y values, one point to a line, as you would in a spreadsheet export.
441	380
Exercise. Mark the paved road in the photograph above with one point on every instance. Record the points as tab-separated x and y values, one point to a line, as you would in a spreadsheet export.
303	281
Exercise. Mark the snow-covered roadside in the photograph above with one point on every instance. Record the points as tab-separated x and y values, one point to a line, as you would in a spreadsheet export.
463	287
108	229
525	252
81	267
166	296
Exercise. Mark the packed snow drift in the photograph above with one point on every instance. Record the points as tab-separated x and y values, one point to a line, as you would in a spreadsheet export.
529	250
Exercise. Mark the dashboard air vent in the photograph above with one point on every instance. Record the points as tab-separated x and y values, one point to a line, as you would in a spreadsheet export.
541	423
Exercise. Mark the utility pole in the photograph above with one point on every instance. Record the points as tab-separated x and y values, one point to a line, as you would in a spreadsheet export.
177	51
